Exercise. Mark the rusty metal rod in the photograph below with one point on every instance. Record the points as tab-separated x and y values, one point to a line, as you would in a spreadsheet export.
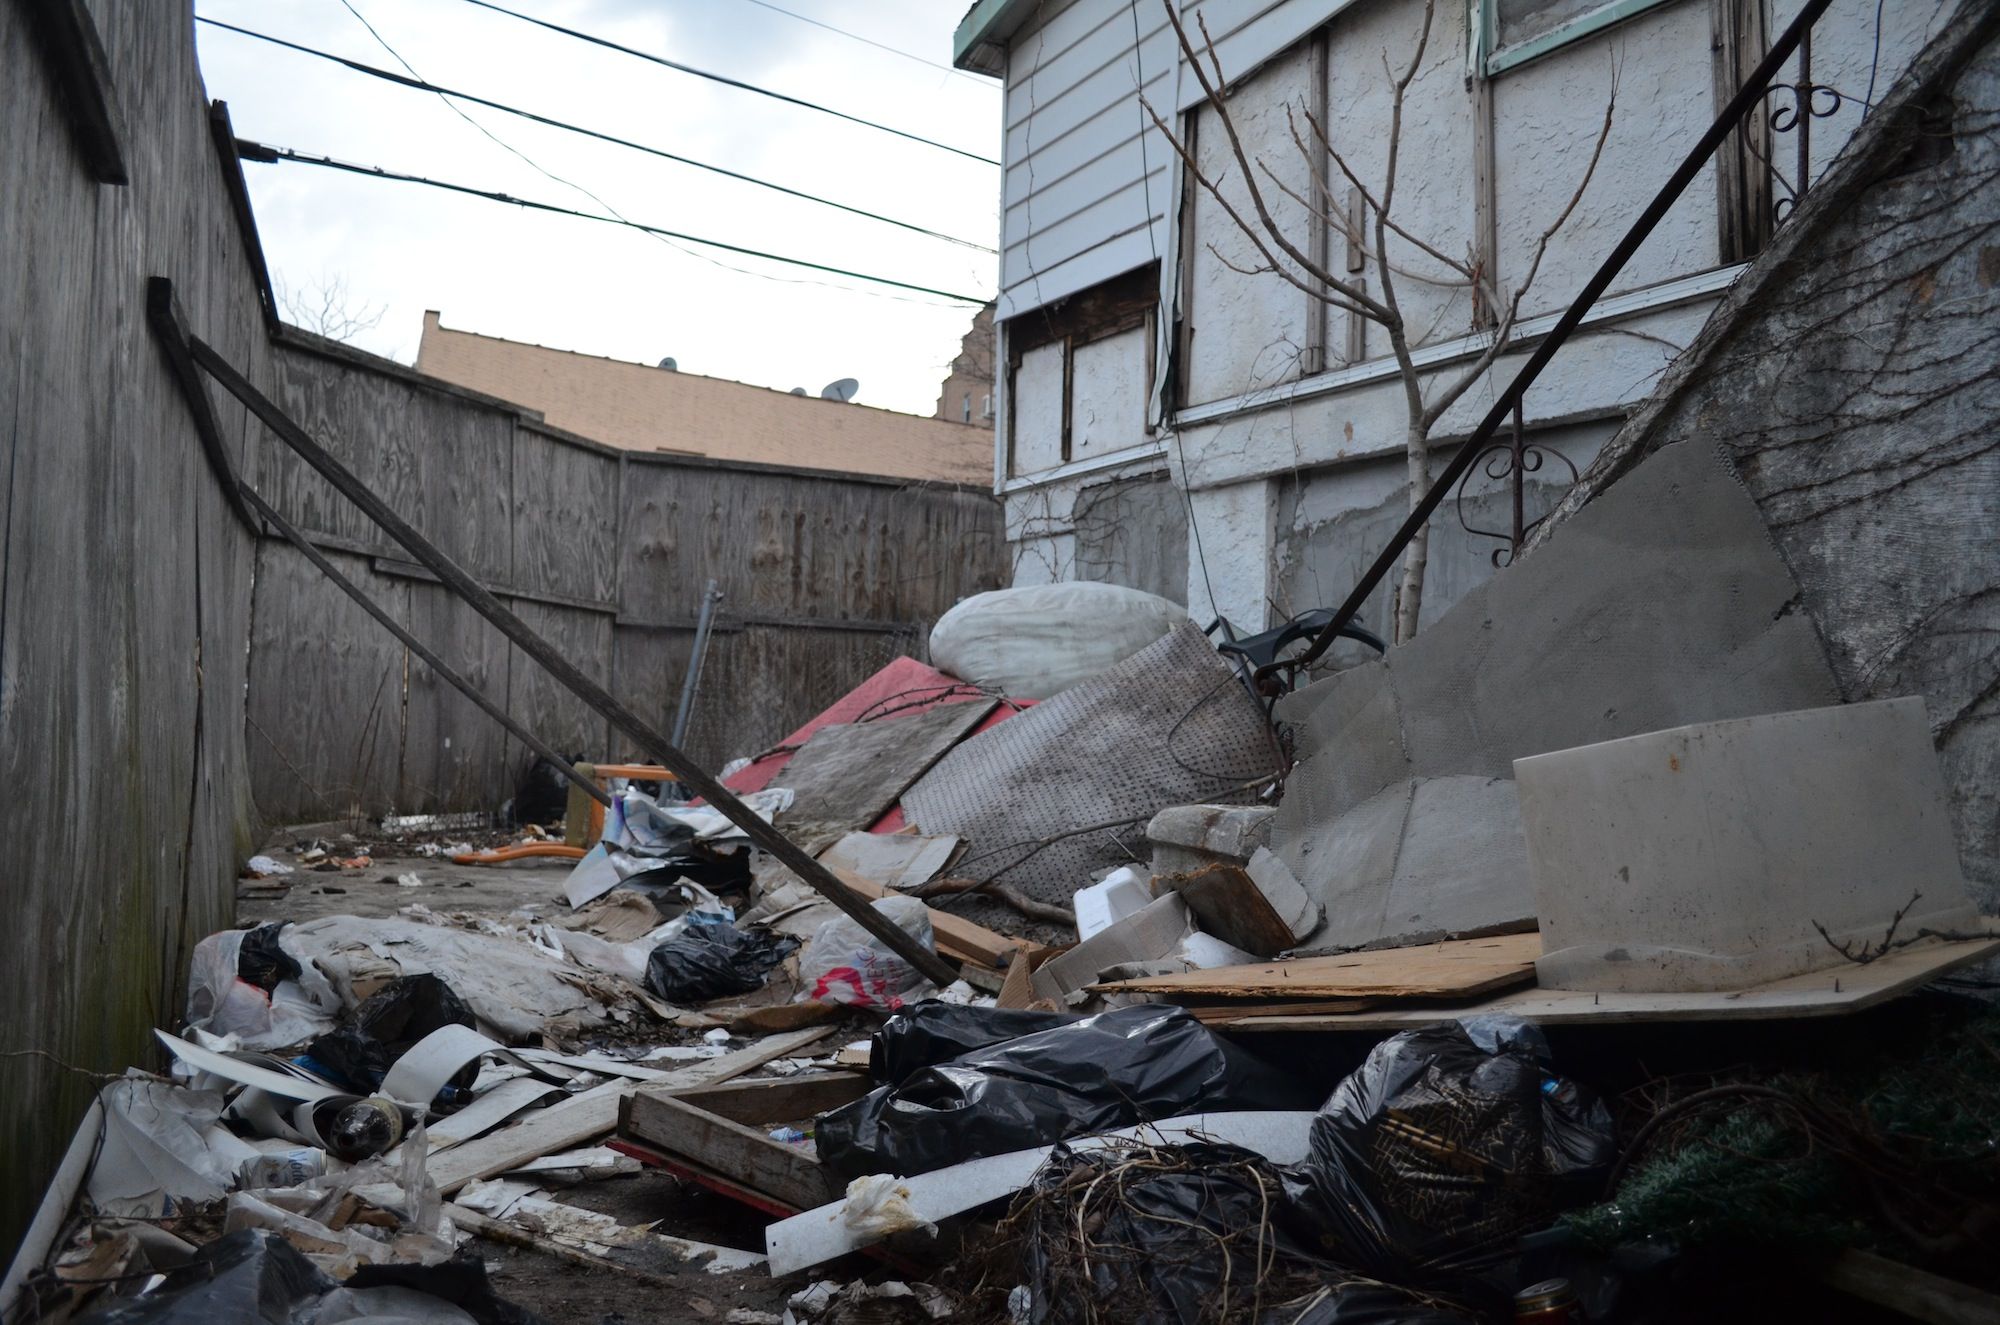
662	751
1746	97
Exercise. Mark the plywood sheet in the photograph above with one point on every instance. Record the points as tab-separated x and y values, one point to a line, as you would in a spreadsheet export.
1843	989
848	775
1461	968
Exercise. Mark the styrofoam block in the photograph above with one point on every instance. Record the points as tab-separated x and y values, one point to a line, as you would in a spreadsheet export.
1123	892
1709	857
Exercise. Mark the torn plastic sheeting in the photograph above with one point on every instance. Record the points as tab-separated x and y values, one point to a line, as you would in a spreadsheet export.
926	1034
846	964
259	986
609	864
515	989
710	960
1444	1146
1112	1070
255	1277
162	1145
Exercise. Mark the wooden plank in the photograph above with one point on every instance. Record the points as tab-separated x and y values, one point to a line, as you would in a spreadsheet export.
745	1155
956	936
1229	905
592	1114
849	775
1910	1292
1461	968
75	57
1843	989
784	1100
1233	1014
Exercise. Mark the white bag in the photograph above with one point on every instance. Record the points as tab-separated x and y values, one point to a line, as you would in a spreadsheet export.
1031	643
844	963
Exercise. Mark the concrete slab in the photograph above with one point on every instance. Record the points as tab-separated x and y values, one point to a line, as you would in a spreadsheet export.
1186	838
1711	856
1424	860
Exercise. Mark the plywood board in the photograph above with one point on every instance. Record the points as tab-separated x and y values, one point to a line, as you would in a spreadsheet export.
1461	968
1228	904
1844	989
848	776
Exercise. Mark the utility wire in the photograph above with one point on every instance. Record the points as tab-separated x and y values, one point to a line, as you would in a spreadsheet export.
572	185
727	81
866	41
422	85
254	151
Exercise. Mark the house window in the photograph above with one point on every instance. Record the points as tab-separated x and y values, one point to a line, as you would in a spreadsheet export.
968	407
1517	31
1080	372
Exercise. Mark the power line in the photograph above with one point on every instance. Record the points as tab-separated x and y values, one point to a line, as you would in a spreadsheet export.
727	81
421	85
254	151
572	185
866	41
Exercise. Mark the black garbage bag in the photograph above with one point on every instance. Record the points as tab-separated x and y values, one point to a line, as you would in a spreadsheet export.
247	1277
261	962
542	795
460	1281
712	959
410	1007
1447	1144
255	1277
386	1025
1117	1069
930	1033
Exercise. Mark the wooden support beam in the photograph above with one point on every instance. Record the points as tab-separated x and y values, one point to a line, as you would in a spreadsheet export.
655	746
169	324
74	54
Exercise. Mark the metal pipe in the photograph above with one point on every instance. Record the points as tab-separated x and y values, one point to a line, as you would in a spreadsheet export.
662	751
1747	97
710	596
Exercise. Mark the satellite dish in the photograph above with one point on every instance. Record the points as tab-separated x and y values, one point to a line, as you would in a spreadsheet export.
798	391
844	389
671	364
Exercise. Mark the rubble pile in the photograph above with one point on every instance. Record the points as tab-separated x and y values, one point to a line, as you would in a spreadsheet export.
1154	1092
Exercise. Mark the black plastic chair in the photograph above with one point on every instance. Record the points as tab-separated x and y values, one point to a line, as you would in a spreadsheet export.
1263	648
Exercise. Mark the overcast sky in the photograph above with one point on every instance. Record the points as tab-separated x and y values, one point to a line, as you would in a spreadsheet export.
601	289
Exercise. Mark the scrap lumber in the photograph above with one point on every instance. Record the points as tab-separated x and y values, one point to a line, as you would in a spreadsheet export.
592	1114
1459	968
1847	988
1228	904
723	1131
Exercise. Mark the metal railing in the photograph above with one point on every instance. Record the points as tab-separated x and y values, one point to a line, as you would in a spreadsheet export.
1747	100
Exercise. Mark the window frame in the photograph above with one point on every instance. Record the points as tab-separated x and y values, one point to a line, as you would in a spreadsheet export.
1494	60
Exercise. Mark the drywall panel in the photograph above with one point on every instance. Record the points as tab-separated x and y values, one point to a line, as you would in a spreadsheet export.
1108	389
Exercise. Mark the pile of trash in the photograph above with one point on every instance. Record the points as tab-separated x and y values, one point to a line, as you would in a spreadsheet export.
1210	1054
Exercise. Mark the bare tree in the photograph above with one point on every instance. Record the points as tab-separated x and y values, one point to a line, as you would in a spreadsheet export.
325	308
1368	226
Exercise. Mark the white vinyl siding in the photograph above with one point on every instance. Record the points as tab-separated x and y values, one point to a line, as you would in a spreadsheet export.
1088	190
